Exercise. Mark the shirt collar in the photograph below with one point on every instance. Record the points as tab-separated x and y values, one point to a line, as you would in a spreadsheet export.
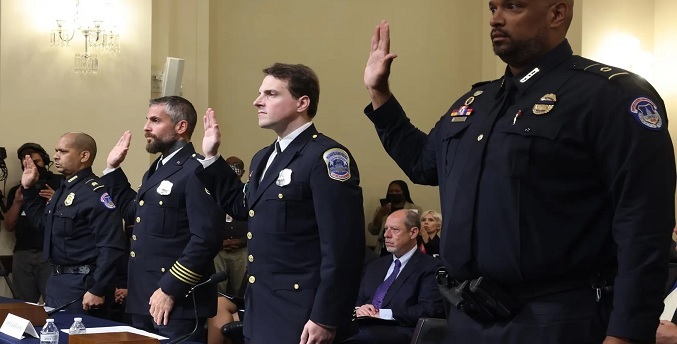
284	142
177	147
405	257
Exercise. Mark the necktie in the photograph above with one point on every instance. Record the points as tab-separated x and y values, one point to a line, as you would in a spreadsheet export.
278	151
385	285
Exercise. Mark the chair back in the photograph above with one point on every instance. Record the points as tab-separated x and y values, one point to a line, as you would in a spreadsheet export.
430	331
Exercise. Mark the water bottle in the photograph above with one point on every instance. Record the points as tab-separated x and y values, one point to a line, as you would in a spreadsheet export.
77	327
49	333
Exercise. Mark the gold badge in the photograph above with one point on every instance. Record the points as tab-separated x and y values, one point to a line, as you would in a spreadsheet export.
545	105
469	101
478	93
69	199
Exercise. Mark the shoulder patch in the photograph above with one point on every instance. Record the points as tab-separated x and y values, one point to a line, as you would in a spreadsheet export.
107	201
646	113
338	164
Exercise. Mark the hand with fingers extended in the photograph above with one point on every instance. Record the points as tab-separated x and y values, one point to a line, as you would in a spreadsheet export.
30	174
161	305
119	152
47	192
212	138
377	71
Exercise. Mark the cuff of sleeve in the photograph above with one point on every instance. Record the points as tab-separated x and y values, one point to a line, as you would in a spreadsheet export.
209	161
179	280
99	291
640	328
30	193
383	116
385	313
109	170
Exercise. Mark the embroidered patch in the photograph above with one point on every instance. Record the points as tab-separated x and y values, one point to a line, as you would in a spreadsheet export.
338	164
646	112
107	201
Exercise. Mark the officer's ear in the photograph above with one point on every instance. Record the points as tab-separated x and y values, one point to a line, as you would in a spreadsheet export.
302	104
85	155
181	127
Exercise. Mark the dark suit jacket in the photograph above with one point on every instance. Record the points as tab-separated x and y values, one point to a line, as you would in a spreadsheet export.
413	295
177	233
306	236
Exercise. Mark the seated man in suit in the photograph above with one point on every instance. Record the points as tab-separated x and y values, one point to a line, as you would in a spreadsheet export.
400	286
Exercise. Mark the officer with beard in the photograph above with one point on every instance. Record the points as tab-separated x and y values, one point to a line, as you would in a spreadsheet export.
177	225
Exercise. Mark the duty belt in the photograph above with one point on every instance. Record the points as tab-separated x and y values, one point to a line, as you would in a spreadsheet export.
73	269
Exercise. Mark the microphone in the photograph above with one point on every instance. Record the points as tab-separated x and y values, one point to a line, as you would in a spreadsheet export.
213	279
64	306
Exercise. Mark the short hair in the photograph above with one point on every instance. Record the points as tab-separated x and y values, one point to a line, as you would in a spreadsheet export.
302	81
235	161
83	142
178	109
412	220
437	216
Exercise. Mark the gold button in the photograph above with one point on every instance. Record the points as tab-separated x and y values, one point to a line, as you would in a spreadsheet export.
280	196
251	213
480	137
249	235
251	258
315	136
160	202
138	219
252	279
193	155
141	203
132	254
296	286
163	269
134	237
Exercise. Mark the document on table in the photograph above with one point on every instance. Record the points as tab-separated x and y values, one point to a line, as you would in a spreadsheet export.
113	329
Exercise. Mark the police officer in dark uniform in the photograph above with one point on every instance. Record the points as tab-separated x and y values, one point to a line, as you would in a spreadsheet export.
83	231
306	221
177	225
557	187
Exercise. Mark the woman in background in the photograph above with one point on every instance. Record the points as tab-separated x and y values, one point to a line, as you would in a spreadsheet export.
397	198
431	224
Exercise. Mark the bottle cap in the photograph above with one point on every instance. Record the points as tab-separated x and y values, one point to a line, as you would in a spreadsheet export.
50	320
77	319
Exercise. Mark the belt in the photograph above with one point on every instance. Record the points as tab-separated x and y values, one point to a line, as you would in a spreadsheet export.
72	269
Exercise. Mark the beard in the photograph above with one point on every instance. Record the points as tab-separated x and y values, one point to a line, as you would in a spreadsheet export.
521	53
157	145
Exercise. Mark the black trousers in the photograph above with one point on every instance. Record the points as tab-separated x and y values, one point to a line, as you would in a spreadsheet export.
64	288
567	317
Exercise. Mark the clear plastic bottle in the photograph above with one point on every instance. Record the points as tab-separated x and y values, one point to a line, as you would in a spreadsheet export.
49	333
78	327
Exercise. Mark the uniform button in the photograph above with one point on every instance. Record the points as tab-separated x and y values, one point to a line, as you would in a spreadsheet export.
132	254
296	286
280	196
251	258
251	213
141	203
163	269
249	235
134	237
252	279
480	137
315	136
194	155
161	202
138	219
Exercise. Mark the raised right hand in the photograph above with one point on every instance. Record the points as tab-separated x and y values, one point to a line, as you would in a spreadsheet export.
212	138
119	152
30	175
377	71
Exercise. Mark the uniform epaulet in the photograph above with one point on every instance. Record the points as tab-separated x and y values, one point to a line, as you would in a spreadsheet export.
94	184
481	83
608	72
197	156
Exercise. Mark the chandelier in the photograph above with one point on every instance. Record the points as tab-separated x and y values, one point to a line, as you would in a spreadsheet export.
97	38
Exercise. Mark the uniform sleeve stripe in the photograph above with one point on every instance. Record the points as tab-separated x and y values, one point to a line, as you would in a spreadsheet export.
187	271
183	277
